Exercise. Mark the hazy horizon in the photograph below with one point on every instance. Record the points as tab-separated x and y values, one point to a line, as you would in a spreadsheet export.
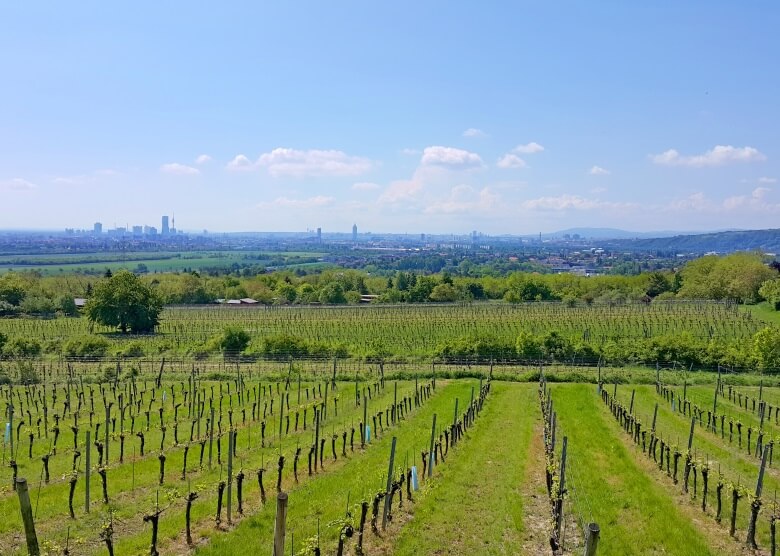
436	118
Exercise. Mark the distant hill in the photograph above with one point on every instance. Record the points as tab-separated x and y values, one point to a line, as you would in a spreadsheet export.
720	242
608	233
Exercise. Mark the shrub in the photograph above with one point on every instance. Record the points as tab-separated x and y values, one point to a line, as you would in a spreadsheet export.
22	347
86	346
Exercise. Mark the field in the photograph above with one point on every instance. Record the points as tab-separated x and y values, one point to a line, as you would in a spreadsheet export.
374	329
329	432
157	261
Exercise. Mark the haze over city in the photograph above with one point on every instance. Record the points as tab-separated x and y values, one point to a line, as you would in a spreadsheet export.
435	117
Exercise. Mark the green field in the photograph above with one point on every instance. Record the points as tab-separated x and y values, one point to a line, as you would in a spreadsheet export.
153	262
487	494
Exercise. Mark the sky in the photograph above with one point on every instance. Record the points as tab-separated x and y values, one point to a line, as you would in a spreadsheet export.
408	117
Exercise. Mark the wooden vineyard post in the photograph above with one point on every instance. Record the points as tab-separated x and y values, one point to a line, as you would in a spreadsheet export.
472	397
86	471
655	415
365	423
756	504
280	527
631	407
211	435
395	399
717	387
27	517
316	437
230	476
11	424
431	453
561	490
592	539
388	499
108	423
690	435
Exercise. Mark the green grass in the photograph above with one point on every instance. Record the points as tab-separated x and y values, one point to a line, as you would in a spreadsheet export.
764	312
636	513
326	497
476	505
735	463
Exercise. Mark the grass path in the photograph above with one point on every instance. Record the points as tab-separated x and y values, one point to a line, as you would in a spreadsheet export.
476	504
326	497
636	513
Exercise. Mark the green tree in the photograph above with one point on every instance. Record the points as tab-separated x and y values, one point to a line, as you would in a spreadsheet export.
234	340
766	348
332	294
12	288
657	284
770	290
445	292
125	302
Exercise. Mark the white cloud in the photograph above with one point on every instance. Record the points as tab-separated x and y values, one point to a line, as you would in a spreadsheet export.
465	199
286	202
530	148
240	163
401	191
755	202
511	161
314	162
571	202
177	169
365	186
410	152
203	159
767	180
717	156
599	171
598	190
17	184
450	157
474	133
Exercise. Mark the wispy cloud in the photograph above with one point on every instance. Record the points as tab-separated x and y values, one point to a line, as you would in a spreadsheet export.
365	186
717	156
756	202
465	199
17	184
767	180
599	171
298	163
450	157
203	159
410	152
529	148
511	161
474	133
240	163
176	169
286	202
572	202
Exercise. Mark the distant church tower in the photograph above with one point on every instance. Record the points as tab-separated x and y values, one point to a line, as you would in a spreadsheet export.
354	232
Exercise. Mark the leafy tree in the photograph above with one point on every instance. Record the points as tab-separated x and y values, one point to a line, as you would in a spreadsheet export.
332	294
657	284
445	292
770	290
528	346
234	340
12	289
125	302
766	348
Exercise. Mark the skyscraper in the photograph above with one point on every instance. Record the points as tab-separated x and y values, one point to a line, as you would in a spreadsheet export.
319	235
165	230
354	232
97	228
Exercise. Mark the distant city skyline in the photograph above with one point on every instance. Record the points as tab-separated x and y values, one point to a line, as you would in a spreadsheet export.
508	118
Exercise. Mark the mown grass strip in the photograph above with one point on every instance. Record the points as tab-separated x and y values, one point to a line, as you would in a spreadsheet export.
635	513
475	505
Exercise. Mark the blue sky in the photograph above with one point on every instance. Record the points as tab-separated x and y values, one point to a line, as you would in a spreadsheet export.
513	117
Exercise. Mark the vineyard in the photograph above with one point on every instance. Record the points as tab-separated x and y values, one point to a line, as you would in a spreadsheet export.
172	454
404	332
